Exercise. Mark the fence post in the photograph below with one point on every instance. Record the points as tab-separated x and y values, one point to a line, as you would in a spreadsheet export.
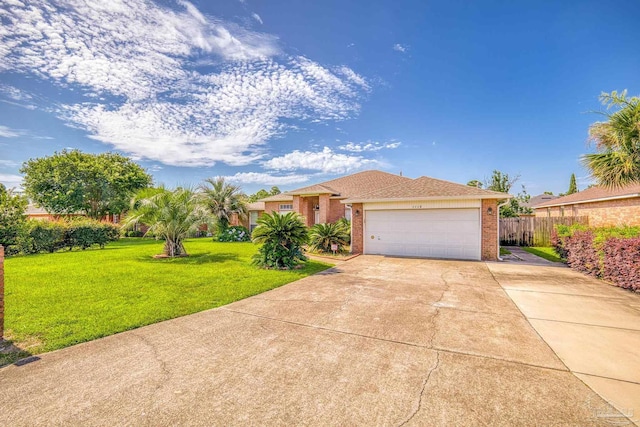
1	293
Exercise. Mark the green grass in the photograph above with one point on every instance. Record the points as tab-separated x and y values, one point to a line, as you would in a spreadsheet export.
544	252
57	300
504	251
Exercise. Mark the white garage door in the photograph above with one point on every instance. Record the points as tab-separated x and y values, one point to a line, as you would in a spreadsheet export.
433	233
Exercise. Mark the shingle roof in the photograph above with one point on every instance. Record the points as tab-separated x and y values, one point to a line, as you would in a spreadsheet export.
593	193
353	185
255	206
282	197
428	188
536	200
32	209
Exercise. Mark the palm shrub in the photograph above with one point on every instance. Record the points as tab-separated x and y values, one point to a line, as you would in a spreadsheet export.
223	200
170	215
322	236
282	238
347	225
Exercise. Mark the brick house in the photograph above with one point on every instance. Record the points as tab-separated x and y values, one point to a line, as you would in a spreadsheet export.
395	215
35	212
604	207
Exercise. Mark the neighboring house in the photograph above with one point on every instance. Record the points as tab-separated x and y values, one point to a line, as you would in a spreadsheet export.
603	207
395	215
536	200
35	212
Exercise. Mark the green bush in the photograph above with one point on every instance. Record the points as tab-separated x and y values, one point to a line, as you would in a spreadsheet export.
282	238
50	236
235	233
322	236
134	233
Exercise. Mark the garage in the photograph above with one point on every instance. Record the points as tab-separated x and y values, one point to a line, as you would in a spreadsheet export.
432	233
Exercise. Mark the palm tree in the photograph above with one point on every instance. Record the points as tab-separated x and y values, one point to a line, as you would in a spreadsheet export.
322	236
617	162
282	238
223	200
171	215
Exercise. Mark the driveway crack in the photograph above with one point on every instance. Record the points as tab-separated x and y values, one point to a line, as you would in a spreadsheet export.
422	390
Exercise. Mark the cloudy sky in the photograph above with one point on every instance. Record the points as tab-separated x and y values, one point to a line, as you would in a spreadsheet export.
293	92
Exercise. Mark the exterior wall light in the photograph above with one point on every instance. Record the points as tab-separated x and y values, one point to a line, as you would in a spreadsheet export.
357	212
490	211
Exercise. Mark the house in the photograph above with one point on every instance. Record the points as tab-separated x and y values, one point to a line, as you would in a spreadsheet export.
539	199
603	206
395	215
36	212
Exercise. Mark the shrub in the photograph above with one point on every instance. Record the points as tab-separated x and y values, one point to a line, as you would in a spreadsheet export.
282	238
50	236
235	233
621	262
134	233
347	225
322	236
582	254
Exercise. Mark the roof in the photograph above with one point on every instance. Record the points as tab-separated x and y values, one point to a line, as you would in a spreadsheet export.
32	209
597	193
255	206
536	200
282	197
425	188
353	185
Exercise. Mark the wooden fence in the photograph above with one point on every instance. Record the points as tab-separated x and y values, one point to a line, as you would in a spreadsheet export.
532	231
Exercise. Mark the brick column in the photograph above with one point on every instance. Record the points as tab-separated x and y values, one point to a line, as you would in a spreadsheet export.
323	201
489	229
357	228
1	293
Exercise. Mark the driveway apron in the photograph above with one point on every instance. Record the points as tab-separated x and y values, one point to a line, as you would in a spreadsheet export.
373	341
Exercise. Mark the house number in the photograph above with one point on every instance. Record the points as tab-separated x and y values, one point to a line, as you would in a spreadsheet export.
416	207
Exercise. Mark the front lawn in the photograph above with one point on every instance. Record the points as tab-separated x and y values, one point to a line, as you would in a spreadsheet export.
543	252
57	300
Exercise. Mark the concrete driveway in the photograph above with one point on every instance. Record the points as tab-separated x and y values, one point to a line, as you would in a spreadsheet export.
374	341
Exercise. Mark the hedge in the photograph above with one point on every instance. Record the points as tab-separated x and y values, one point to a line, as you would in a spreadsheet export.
50	236
611	253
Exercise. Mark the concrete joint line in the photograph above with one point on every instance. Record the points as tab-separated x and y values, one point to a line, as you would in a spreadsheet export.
586	324
422	390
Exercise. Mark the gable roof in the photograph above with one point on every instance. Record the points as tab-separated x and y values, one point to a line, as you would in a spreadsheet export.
593	194
425	188
282	197
353	185
536	200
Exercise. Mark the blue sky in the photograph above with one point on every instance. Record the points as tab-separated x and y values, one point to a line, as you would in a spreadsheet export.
289	93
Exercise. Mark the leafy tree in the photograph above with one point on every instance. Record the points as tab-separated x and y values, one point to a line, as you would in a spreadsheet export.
262	193
12	216
617	140
170	215
72	181
474	183
573	187
322	236
282	238
223	200
550	193
502	183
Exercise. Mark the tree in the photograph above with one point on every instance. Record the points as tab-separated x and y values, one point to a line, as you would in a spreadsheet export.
474	183
322	236
282	238
223	200
72	181
262	193
12	216
170	215
549	193
573	187
617	160
502	183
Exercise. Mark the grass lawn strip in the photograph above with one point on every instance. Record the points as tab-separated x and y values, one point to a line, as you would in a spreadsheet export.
544	252
57	300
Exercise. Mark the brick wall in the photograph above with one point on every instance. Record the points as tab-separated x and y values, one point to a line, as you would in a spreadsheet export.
272	206
336	210
489	230
357	228
324	202
601	214
1	292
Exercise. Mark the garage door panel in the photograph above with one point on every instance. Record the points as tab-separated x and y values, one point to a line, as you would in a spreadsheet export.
437	233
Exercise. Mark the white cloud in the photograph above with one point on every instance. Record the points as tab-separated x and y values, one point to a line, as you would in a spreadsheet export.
8	164
6	132
400	48
266	178
326	161
368	146
10	181
257	18
138	63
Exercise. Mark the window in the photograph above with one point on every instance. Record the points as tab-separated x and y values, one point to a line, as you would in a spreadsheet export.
285	208
253	220
347	213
